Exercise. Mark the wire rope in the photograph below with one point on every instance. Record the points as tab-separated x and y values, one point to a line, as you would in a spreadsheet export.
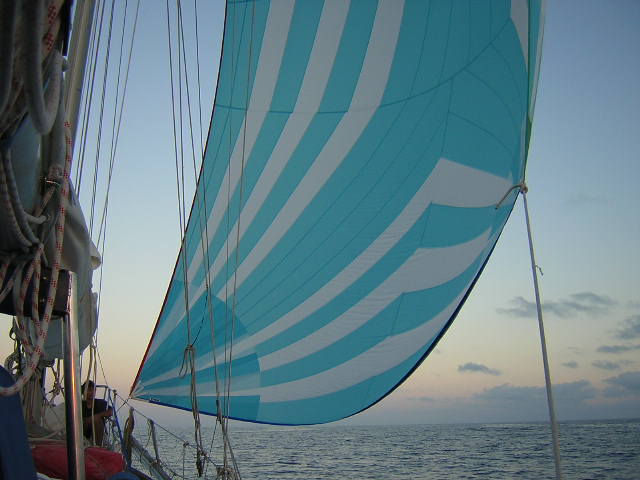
101	118
195	19
89	87
102	231
189	351
200	188
117	133
184	442
201	205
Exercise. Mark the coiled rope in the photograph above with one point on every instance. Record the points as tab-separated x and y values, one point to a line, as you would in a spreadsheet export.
47	115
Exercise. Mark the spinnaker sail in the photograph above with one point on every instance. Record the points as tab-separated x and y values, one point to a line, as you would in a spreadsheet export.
346	202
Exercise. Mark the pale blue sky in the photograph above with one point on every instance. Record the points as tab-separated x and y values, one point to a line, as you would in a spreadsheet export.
583	173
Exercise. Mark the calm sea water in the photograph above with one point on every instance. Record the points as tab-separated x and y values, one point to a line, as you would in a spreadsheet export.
590	450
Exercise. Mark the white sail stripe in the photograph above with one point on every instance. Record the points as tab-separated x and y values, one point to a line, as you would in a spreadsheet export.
268	68
367	97
205	389
442	264
377	360
475	189
167	326
458	258
202	362
312	91
267	72
380	358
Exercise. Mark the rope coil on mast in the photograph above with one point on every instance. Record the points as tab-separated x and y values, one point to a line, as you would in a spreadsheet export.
25	93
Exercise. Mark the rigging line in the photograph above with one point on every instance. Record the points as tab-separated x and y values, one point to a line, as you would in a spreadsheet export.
105	209
182	63
104	375
195	16
543	344
125	401
213	436
182	201
117	132
241	181
115	110
529	64
88	88
101	117
228	207
175	148
181	176
203	241
189	354
126	81
226	323
89	82
193	149
229	149
173	114
48	308
220	414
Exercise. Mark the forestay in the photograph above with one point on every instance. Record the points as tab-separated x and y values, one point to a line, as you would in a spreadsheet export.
347	200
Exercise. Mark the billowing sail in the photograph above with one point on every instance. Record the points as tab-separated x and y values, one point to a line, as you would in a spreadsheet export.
347	200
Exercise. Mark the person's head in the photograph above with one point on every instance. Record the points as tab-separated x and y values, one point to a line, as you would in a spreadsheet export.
88	389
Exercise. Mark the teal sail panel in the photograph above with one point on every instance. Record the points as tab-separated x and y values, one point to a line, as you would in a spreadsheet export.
347	200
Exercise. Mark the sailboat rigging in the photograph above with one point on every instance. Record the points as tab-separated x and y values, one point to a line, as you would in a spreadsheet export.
354	161
358	171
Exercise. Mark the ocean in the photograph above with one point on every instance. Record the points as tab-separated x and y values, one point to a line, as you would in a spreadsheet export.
589	450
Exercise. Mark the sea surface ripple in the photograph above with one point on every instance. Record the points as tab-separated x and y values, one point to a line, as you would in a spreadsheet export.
589	450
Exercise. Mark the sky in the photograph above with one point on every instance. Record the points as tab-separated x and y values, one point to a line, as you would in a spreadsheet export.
582	174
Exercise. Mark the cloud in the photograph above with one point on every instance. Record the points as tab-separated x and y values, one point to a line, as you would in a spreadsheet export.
579	400
521	308
593	298
625	384
604	365
578	391
571	364
630	328
584	200
617	348
588	303
477	367
423	399
511	394
574	391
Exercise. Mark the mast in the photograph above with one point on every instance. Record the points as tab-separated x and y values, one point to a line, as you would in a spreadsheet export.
75	450
81	33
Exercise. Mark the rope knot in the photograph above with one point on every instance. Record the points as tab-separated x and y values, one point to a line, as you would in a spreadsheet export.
188	360
521	187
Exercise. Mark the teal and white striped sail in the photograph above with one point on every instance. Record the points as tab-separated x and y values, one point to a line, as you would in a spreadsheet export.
347	199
